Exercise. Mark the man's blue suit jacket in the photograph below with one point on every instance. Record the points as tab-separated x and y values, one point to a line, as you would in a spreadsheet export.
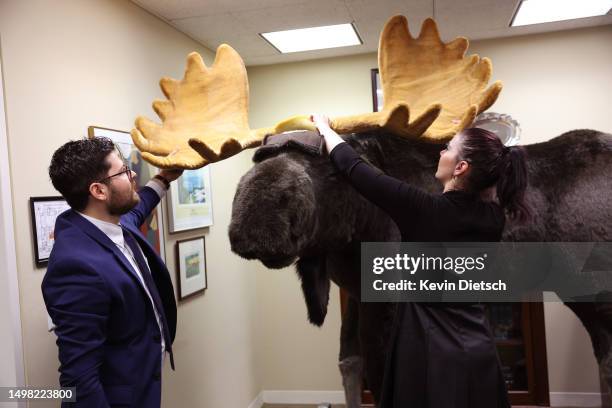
108	338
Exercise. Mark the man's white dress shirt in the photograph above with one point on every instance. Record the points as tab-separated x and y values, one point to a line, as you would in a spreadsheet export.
115	233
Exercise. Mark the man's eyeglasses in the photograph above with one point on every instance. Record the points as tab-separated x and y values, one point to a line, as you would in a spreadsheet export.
124	169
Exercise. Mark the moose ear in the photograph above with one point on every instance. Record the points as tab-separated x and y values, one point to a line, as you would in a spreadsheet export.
315	286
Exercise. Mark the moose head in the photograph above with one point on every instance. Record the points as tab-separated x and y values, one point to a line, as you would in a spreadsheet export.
286	207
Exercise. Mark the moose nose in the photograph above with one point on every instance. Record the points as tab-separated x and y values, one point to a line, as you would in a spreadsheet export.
272	211
260	228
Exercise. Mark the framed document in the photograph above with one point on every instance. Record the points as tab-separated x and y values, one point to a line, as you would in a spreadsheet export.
44	212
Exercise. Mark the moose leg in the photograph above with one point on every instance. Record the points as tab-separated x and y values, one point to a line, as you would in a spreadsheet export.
350	361
597	319
604	318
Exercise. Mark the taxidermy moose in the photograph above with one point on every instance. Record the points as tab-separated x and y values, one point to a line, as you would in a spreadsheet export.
317	221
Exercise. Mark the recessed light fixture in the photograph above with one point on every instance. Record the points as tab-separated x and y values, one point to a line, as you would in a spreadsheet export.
547	11
314	38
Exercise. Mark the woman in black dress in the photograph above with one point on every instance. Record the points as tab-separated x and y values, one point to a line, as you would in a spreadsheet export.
444	355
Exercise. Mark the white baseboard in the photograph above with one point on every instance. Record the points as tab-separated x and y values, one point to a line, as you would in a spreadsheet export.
575	399
297	397
557	399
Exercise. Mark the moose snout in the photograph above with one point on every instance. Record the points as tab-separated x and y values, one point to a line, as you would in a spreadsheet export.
273	213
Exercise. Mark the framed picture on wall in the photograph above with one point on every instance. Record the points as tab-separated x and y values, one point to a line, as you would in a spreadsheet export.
191	267
153	227
44	212
190	201
377	93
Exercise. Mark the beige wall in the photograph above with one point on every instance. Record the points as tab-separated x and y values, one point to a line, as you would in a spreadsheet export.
293	354
70	64
552	83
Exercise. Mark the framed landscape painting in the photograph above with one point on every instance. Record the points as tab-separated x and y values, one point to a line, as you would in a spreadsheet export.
191	267
190	201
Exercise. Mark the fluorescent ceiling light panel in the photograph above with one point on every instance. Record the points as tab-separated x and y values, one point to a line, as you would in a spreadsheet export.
547	11
314	38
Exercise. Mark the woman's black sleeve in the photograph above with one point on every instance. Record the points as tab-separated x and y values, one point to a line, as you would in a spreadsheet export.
395	197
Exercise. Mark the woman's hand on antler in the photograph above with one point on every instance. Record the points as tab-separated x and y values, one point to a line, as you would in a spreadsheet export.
320	121
332	139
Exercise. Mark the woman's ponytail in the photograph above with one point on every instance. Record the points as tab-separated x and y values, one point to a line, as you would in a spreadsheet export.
493	164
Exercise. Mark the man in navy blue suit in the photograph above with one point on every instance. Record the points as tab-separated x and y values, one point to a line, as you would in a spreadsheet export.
108	293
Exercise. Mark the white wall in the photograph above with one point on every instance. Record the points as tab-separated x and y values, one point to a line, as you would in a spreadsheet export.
553	83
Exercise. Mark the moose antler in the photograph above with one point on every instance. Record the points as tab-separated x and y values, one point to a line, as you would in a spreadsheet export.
427	80
423	71
205	118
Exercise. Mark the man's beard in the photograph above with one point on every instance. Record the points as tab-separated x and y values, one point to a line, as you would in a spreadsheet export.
121	204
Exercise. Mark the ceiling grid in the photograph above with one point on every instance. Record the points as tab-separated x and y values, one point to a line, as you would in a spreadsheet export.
239	22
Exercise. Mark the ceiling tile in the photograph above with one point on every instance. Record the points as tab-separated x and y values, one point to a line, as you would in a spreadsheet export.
367	12
287	17
176	9
208	27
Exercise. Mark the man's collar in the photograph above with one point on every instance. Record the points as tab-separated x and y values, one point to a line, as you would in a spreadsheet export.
112	231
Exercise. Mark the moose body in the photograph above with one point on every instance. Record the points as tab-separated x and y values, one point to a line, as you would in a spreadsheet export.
294	207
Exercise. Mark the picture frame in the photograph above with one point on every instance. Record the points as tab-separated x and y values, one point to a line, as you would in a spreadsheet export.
191	267
189	201
44	211
377	93
153	227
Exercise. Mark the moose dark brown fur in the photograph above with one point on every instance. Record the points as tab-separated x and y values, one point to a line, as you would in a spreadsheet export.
294	207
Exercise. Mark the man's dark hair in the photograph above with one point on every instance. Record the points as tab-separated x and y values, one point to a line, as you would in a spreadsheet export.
76	165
